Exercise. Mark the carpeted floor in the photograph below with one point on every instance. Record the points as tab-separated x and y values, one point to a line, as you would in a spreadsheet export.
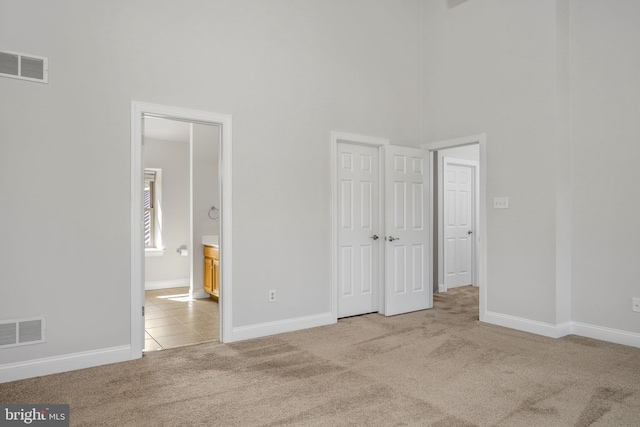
438	367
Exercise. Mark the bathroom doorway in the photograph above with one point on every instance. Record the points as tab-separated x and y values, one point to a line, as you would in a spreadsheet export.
181	196
173	290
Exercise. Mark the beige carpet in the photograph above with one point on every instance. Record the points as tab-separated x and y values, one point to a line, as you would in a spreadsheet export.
439	367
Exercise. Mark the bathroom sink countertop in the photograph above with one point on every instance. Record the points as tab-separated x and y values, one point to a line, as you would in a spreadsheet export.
211	240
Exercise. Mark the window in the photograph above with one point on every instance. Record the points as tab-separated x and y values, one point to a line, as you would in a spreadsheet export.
152	212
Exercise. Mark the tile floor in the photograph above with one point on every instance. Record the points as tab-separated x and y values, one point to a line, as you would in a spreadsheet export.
172	319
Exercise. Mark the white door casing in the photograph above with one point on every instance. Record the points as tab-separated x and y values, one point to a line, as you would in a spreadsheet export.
458	223
138	110
407	246
358	229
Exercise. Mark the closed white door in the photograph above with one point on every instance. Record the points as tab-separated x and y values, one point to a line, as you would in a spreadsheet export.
407	231
458	224
358	244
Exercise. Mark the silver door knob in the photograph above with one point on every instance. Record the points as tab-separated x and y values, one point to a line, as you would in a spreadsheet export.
375	237
469	232
391	238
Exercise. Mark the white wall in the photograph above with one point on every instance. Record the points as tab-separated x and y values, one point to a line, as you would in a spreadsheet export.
206	193
173	158
605	148
490	67
289	72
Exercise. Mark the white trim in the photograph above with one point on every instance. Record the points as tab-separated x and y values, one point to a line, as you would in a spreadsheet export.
442	287
166	284
601	333
359	139
455	142
526	325
138	109
375	142
606	334
68	362
153	252
281	326
198	293
481	140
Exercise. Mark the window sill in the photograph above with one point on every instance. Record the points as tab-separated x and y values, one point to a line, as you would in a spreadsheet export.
149	252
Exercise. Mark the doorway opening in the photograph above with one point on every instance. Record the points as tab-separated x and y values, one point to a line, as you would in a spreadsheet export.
181	205
456	172
459	214
181	198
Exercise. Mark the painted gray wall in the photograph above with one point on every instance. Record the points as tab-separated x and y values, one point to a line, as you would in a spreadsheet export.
605	150
289	72
173	158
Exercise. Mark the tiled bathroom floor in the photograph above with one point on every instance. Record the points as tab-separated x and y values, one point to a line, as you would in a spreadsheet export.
172	319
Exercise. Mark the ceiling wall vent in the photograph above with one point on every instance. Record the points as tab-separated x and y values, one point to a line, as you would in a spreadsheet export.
24	66
21	332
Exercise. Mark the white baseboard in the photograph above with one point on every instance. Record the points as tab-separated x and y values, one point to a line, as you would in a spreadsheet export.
88	359
442	287
606	334
526	325
166	284
281	326
64	363
200	293
563	329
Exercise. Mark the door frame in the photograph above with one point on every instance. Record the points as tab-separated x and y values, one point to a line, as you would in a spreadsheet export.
138	110
379	143
481	140
474	165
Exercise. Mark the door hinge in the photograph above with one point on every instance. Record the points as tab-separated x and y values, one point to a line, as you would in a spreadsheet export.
143	311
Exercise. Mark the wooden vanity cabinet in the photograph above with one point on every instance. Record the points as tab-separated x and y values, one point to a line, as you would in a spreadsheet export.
211	271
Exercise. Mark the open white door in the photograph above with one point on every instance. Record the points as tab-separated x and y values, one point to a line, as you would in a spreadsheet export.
458	222
407	230
358	243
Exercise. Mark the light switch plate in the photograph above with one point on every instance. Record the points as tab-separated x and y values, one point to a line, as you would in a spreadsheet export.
501	203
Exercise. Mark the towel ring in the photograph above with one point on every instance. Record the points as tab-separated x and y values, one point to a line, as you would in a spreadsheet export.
214	213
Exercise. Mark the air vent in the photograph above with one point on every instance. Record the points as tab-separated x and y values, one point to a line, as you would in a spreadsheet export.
21	332
24	66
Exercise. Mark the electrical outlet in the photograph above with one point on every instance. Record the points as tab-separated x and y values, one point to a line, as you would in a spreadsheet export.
501	203
635	304
272	295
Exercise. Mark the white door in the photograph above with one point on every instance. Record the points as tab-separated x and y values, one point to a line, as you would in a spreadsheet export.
407	231
458	224
358	244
